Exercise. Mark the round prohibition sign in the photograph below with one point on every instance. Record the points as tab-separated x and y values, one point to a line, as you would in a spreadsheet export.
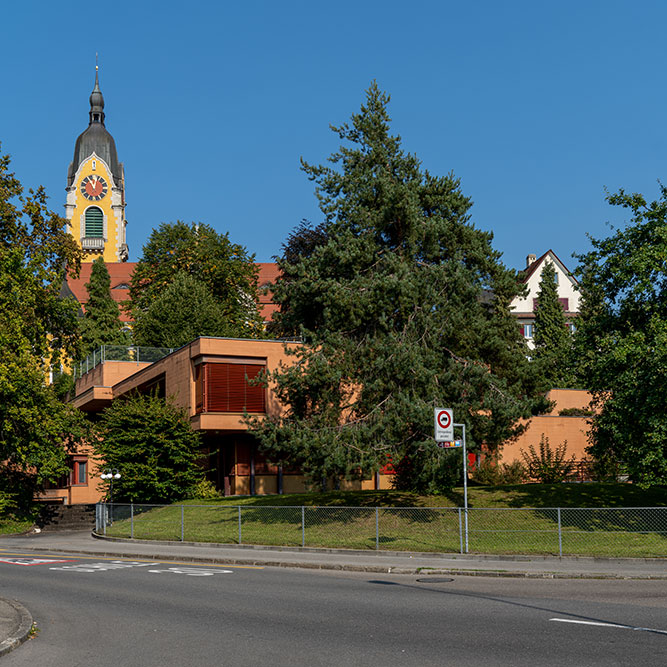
444	419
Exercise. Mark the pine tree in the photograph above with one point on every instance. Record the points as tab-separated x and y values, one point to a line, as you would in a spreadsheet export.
101	323
553	341
403	306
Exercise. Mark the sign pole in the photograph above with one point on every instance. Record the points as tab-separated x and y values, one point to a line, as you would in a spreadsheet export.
465	482
444	437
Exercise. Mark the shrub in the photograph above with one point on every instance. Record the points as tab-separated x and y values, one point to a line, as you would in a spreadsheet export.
491	473
575	412
153	446
549	465
203	490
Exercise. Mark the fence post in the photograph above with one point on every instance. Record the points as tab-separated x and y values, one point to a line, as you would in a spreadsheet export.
460	531
377	528
240	524
303	526
182	523
132	521
560	536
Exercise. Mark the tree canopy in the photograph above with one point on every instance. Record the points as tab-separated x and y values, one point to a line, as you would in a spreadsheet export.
101	323
553	340
182	311
37	329
403	306
151	443
226	270
622	339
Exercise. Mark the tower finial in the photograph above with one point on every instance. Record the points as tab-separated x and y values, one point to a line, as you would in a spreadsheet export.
96	98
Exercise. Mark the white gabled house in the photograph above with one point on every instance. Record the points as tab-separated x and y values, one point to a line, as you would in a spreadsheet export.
524	307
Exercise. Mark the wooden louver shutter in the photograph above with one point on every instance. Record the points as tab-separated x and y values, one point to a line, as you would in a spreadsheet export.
228	389
94	223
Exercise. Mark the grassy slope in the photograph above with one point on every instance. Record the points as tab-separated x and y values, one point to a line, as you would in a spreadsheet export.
520	495
334	524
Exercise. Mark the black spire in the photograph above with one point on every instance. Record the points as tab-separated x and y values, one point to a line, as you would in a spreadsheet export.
96	101
96	139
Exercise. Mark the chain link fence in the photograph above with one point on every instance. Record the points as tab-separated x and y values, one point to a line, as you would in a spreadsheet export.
629	531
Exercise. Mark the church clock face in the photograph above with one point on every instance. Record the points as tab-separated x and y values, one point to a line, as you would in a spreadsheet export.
94	187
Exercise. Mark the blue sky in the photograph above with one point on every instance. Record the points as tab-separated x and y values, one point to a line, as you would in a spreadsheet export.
536	107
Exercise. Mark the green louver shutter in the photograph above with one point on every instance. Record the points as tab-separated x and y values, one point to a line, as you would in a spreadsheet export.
94	223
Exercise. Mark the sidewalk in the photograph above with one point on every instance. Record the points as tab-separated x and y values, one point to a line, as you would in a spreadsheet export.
397	562
15	625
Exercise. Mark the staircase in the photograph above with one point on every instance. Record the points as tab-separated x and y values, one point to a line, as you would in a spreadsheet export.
67	517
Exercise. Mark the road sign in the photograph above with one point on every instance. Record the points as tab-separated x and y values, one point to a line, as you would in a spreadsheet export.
444	424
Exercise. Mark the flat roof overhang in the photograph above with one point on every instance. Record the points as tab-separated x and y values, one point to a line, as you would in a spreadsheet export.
94	399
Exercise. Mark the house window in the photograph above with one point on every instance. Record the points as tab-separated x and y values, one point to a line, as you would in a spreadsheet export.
528	330
94	223
228	387
565	303
79	472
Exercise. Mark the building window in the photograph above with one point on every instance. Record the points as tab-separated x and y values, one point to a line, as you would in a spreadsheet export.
228	387
78	475
94	223
528	330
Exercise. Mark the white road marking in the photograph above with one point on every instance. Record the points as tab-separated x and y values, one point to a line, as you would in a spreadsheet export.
607	625
192	571
103	567
33	561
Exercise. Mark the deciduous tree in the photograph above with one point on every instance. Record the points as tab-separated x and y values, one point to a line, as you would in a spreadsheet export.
621	339
37	328
225	268
151	443
181	312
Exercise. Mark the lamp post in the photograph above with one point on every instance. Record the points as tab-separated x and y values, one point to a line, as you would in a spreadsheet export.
110	474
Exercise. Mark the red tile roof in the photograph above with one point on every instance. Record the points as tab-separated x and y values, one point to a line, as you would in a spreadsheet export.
121	276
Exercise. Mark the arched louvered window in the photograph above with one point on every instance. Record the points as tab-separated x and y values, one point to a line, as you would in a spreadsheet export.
94	223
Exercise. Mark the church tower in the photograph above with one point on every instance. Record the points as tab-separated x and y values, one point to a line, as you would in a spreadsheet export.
95	207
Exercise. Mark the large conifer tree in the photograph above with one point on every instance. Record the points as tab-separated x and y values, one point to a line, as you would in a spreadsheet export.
403	306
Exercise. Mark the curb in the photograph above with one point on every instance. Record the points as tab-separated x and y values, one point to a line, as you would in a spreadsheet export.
24	622
349	567
524	558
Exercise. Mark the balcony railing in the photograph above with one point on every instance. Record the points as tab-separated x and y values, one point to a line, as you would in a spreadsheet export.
120	353
92	243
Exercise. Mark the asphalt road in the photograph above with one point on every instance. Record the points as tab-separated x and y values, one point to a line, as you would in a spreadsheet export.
94	612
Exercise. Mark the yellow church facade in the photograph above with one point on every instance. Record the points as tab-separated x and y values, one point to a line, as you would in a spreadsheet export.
95	205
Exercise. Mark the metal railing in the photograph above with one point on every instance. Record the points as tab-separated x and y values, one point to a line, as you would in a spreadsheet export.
619	532
120	353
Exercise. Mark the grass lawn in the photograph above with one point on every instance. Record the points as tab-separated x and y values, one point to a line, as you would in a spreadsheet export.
10	525
410	522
